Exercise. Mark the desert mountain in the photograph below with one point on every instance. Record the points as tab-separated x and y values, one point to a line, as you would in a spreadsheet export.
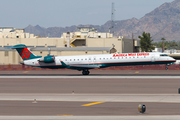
163	21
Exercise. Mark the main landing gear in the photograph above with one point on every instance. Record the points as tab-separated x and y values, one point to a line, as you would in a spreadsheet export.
167	65
85	72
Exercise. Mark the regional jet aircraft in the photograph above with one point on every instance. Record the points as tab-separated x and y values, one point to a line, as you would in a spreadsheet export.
85	62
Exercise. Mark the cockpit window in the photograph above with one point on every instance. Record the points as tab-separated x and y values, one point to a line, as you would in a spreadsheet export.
163	55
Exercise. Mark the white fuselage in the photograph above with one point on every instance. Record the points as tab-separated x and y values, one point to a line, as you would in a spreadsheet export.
106	59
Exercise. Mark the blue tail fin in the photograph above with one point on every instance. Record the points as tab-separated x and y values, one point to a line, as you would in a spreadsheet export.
24	52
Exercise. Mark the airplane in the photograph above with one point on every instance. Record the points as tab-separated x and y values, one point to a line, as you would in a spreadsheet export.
85	62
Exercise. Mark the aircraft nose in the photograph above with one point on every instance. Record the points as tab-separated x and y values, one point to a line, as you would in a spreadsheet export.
173	59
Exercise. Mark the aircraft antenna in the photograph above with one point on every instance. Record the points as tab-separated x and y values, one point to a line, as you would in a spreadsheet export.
112	19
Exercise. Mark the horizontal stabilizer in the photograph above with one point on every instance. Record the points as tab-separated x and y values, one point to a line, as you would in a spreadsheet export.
17	46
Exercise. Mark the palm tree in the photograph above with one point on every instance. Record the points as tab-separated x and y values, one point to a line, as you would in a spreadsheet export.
163	44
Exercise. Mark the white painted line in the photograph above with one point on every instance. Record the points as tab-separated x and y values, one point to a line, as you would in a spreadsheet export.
174	98
98	77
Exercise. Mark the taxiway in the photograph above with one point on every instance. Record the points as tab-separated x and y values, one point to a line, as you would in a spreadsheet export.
103	95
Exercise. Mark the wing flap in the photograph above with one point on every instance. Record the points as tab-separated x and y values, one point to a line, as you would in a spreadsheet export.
85	66
80	66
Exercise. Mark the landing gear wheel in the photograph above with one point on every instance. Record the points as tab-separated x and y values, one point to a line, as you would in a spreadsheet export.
167	67
85	72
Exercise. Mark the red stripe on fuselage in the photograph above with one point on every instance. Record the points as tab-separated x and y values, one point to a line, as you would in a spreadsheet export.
116	63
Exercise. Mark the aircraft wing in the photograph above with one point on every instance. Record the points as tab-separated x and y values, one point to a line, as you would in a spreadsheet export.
80	66
85	66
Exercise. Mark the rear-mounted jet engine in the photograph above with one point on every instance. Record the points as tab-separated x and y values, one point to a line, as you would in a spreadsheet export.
48	59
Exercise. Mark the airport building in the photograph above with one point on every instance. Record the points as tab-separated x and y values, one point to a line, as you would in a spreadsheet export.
85	41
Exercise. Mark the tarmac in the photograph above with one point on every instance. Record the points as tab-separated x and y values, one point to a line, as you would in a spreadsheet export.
102	95
64	72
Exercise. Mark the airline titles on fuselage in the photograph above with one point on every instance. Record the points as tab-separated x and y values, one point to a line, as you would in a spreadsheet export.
130	54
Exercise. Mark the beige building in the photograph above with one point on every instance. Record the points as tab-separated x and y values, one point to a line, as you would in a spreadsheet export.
84	41
10	32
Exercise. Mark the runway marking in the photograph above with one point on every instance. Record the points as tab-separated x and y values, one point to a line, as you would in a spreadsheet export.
160	98
137	72
25	71
94	103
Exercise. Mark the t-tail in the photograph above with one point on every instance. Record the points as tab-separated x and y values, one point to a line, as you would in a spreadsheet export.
24	52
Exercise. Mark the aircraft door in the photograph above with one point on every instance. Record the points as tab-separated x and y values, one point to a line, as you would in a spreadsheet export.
57	61
68	60
152	58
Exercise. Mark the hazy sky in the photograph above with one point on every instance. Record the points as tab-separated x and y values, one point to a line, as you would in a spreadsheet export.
62	13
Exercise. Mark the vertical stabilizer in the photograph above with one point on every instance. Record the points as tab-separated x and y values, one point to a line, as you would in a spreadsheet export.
24	52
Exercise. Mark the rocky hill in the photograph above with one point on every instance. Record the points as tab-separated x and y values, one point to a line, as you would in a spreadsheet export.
164	21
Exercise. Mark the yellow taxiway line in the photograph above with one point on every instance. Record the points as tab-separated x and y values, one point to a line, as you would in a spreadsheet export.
64	115
25	71
94	103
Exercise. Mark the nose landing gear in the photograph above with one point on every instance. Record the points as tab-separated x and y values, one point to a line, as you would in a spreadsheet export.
85	72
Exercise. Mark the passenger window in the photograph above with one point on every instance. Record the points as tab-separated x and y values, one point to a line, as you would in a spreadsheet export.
111	58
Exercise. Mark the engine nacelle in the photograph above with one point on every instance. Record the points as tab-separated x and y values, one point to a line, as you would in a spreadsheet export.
48	59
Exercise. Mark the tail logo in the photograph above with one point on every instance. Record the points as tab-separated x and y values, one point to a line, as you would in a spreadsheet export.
25	53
